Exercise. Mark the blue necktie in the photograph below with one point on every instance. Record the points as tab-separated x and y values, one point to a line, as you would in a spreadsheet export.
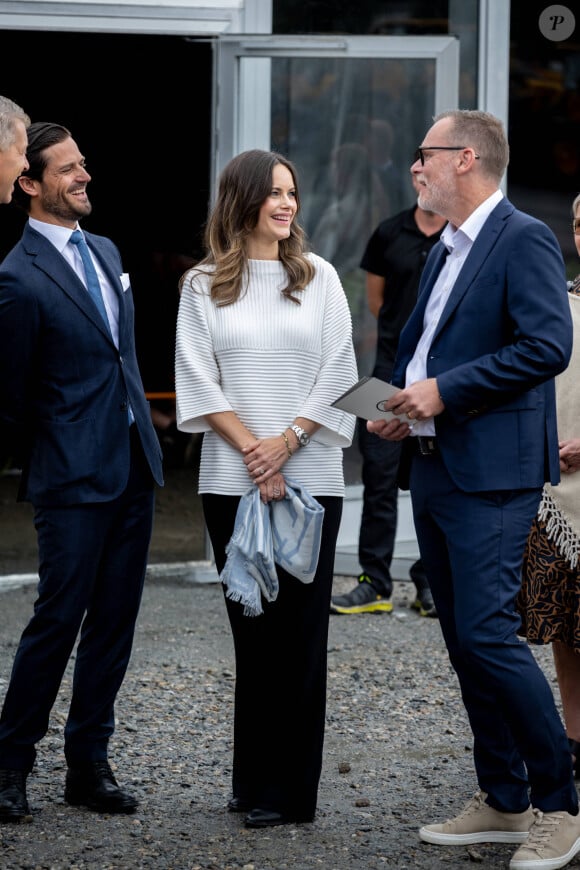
94	288
93	284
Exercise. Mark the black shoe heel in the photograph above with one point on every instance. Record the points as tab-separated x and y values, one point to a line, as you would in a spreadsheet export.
238	805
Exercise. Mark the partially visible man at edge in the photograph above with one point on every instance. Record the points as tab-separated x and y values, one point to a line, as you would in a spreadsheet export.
73	406
14	123
476	363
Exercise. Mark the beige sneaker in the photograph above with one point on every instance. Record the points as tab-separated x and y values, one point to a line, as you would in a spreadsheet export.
553	841
480	823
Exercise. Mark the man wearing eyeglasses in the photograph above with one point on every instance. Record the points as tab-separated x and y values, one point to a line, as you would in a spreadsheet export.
476	365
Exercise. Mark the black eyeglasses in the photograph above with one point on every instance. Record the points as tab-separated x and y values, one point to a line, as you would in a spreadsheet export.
576	226
420	155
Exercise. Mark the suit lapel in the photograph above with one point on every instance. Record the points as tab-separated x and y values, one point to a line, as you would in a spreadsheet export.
484	244
57	270
481	250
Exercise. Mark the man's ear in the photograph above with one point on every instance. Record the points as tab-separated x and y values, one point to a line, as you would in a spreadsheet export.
27	185
467	160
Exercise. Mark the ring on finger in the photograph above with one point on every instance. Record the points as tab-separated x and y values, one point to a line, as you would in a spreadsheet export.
261	471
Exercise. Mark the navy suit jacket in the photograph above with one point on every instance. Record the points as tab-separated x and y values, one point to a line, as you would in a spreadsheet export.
64	386
504	334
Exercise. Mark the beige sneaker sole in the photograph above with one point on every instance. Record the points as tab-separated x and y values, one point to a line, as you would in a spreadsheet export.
441	839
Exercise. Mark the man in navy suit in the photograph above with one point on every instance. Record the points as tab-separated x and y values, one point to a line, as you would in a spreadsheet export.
73	408
476	363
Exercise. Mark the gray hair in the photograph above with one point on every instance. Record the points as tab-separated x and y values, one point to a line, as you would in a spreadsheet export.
575	205
9	113
483	132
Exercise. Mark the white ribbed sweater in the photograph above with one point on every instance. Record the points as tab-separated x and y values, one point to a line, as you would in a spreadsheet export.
270	361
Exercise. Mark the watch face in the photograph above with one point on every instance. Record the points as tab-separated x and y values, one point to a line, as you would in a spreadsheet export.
303	437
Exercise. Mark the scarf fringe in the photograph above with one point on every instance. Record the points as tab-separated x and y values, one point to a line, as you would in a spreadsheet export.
238	597
559	530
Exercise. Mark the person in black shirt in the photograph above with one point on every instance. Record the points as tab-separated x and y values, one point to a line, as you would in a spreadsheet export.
393	260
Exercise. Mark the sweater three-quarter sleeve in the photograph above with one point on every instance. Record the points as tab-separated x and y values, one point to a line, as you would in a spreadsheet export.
337	362
197	375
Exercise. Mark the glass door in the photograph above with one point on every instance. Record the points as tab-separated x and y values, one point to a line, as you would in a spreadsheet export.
349	112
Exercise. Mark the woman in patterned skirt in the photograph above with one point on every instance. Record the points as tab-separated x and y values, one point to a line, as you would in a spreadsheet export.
549	600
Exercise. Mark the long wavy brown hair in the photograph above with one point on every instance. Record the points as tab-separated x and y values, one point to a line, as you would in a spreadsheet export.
244	185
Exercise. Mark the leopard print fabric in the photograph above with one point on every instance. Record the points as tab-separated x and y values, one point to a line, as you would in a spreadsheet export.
549	598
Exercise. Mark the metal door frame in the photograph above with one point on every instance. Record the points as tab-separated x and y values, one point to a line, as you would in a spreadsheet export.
242	97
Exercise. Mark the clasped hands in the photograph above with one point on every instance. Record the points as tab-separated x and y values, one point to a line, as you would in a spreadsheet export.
414	404
264	461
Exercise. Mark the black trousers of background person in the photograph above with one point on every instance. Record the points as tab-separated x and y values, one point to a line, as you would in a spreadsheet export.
378	527
281	673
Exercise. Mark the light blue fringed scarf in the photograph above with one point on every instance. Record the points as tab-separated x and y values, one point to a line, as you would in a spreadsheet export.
285	533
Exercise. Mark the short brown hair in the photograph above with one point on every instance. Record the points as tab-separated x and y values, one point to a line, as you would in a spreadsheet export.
483	132
41	135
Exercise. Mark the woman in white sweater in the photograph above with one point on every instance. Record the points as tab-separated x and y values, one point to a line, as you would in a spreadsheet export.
264	345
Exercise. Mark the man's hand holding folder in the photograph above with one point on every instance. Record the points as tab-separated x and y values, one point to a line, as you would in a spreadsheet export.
367	399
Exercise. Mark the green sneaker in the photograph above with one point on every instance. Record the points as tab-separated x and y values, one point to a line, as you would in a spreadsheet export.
362	599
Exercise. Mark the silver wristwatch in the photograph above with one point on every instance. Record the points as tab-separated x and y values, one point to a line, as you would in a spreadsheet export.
301	434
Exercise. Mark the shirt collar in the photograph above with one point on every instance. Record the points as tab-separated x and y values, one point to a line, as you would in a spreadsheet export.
470	228
59	236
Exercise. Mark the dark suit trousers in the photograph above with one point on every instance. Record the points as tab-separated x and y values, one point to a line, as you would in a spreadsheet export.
92	561
472	547
281	670
378	527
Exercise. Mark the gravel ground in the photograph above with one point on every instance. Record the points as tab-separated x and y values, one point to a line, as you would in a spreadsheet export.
397	751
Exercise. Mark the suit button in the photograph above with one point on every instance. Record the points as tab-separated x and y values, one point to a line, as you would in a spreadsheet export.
123	406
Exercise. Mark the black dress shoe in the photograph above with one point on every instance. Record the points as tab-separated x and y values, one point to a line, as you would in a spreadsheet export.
258	818
13	803
94	786
238	805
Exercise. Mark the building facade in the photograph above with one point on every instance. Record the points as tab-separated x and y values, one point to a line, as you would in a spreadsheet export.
160	95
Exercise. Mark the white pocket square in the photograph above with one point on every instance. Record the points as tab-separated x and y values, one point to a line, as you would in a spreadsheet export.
125	281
